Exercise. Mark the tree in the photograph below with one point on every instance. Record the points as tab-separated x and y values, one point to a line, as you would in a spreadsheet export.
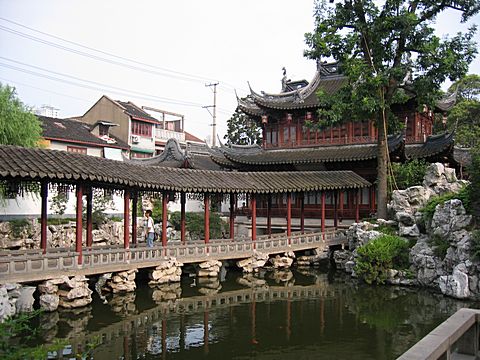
389	54
465	115
242	131
17	125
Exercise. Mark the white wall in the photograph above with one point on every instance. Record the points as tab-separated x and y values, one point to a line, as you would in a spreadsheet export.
92	151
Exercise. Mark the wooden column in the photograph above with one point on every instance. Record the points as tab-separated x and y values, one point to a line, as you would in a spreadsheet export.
323	211
340	204
335	209
164	218
183	200
232	216
289	215
78	223
134	216
126	219
206	202
357	206
43	219
89	216
254	217
302	212
269	214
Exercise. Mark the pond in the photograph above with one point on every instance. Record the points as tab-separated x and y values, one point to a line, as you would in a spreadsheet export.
299	314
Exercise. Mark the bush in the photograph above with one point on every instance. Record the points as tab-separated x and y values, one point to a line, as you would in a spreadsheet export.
409	174
475	245
429	209
195	224
440	246
379	255
19	226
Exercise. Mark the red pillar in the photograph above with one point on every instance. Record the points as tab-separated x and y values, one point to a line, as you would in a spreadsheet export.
340	204
254	217
289	215
89	217
134	217
78	223
207	217
232	216
164	218
335	209
126	219
357	206
183	200
269	214
43	220
302	213
323	211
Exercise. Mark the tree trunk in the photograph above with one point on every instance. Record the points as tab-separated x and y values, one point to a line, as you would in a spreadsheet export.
382	169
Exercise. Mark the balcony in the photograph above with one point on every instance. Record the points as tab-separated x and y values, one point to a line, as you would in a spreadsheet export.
163	135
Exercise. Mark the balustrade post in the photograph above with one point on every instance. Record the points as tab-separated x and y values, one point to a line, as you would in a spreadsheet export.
43	220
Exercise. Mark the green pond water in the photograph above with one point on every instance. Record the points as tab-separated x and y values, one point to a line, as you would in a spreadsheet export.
291	315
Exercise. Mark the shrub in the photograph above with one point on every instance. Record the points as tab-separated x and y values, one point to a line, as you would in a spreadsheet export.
20	225
409	174
475	245
440	246
195	224
379	255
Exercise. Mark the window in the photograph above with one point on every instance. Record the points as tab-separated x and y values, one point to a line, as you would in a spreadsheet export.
77	149
272	136
139	155
141	128
103	130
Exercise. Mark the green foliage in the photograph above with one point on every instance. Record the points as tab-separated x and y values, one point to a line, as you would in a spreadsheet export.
387	230
429	209
20	226
15	335
242	130
379	255
195	224
467	88
59	202
102	201
474	191
157	211
440	245
409	174
17	125
475	245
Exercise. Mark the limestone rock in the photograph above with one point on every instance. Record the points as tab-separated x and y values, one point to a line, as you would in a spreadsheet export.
49	302
455	285
25	300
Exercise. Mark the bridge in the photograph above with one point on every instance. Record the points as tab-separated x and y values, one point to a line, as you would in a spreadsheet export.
34	265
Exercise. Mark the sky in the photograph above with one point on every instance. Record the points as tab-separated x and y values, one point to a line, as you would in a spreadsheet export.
162	54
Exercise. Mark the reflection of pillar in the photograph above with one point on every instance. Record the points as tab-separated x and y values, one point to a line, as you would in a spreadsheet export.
302	212
182	331
289	216
289	317
183	200
126	348
126	219
78	223
207	217
164	338
335	209
254	322
43	219
269	214
205	331
232	216
164	218
254	217
322	316
89	216
134	216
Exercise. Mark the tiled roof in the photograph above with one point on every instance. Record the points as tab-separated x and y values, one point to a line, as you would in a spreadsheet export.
137	112
18	163
73	131
435	145
191	137
254	155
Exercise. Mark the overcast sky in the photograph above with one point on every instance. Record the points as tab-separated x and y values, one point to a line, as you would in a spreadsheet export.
176	46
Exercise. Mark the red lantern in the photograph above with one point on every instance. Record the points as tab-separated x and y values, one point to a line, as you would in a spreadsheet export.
309	115
264	119
289	117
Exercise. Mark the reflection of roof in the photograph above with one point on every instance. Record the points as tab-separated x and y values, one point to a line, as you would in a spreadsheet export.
73	131
136	112
435	145
254	155
33	164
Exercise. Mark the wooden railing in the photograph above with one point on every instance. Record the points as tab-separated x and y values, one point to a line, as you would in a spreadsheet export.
33	264
458	337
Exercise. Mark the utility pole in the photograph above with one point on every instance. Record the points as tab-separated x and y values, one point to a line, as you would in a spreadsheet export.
214	114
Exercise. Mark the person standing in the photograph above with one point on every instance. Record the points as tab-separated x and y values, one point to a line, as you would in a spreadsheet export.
149	228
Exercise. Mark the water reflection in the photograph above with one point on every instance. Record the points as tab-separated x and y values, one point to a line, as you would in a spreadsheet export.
270	315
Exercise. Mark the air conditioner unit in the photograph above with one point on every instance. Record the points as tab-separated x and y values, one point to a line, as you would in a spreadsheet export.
135	139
